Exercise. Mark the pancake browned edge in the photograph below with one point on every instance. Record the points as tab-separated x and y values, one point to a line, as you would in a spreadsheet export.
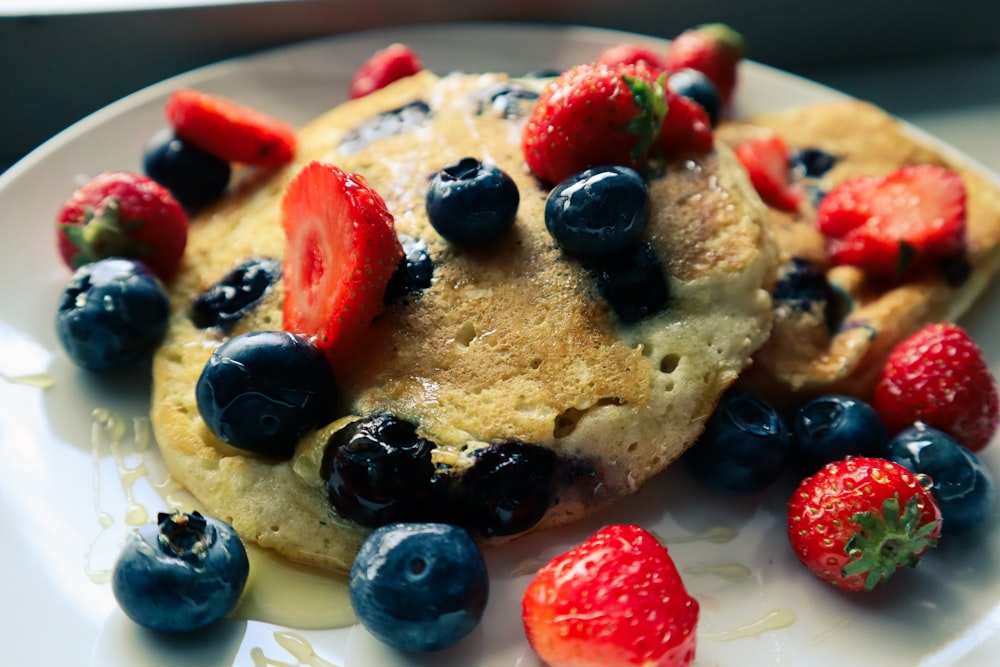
812	353
509	342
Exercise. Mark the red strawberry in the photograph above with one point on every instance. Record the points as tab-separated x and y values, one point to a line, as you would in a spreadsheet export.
686	127
888	224
767	161
616	600
857	521
938	376
396	61
229	130
341	251
630	54
592	115
121	214
713	49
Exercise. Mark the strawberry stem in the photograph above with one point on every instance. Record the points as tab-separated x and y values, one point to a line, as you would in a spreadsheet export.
650	99
102	234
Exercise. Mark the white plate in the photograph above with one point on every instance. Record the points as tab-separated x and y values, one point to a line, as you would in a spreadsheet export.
54	491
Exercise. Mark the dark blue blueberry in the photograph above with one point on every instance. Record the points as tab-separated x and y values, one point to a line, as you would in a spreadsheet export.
833	427
262	391
598	211
419	586
504	98
694	84
801	284
111	314
956	270
472	204
508	489
181	574
194	177
414	272
377	470
812	162
632	282
744	448
963	486
228	300
404	119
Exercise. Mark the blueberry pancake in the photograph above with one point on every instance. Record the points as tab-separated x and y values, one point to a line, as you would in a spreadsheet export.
515	387
834	325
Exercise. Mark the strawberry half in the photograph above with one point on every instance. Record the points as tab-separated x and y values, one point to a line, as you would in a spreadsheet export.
714	49
394	62
341	251
229	130
887	225
938	376
616	600
767	161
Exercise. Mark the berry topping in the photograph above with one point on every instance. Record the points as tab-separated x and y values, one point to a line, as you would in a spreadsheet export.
887	224
229	130
181	574
695	85
713	49
239	291
832	427
407	117
120	214
341	252
857	521
812	162
419	586
111	314
632	282
938	376
963	486
768	163
598	211
802	286
394	62
378	470
504	98
744	448
472	204
192	175
414	272
616	600
261	391
630	54
686	127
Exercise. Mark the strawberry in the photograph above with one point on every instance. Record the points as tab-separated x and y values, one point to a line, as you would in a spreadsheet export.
767	161
394	62
121	214
228	130
938	376
628	53
887	225
686	127
616	600
593	115
341	251
857	521
713	49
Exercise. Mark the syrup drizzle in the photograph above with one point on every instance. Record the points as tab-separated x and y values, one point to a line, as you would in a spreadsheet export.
776	619
40	380
733	572
297	646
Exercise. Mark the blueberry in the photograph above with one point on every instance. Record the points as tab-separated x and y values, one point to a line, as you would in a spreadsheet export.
801	284
405	118
599	211
262	391
419	587
812	162
471	203
632	282
744	448
963	486
111	314
504	98
227	301
183	573
695	85
508	489
414	272
833	427
377	470
194	177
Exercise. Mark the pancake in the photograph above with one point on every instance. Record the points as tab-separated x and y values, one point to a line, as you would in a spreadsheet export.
509	344
839	344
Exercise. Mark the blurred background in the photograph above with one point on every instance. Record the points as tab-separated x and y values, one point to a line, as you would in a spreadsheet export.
926	60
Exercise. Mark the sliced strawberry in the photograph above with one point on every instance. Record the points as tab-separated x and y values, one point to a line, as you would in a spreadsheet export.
229	130
341	251
394	62
630	54
686	127
767	160
887	224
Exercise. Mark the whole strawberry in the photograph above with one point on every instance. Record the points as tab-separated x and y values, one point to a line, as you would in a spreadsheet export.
121	214
938	376
713	49
629	53
616	600
857	521
394	62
